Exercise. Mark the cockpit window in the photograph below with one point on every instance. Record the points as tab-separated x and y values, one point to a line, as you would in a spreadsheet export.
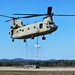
21	23
50	22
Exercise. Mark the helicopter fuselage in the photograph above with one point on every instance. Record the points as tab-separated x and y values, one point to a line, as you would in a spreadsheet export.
33	30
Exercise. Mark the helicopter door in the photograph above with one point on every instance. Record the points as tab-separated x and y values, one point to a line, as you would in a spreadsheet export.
41	25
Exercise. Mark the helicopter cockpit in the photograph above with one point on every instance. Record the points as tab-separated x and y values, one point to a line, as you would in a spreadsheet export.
48	24
51	25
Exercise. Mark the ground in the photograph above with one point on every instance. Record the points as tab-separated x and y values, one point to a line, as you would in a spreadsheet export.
41	69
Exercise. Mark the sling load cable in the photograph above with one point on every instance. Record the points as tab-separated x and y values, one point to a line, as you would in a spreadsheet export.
26	53
37	51
37	54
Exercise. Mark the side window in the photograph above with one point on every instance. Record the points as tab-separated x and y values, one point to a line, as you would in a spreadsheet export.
22	30
41	25
34	27
17	31
28	28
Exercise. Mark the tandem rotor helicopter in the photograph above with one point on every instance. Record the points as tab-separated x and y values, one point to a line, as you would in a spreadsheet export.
20	31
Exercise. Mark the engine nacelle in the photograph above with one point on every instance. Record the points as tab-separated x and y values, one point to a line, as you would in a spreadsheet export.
16	24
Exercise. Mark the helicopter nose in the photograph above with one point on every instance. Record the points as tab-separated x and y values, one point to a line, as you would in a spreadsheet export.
53	28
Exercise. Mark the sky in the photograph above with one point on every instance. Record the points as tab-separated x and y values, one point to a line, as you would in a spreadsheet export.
59	45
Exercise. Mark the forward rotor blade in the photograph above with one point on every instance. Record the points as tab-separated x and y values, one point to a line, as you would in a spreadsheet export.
48	13
35	15
49	10
62	15
30	14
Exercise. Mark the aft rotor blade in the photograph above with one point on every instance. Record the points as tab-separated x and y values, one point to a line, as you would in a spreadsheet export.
12	19
6	16
30	16
8	20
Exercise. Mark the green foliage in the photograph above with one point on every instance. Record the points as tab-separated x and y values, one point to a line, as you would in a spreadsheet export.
54	63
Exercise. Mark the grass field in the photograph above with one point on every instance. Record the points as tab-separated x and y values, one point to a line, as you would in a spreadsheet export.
35	73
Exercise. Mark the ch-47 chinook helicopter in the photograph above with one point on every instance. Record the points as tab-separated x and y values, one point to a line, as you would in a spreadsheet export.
20	31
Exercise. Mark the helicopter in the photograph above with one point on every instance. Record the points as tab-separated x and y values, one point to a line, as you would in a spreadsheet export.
20	31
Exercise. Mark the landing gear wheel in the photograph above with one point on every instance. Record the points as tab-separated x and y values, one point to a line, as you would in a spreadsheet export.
43	38
24	40
12	40
32	37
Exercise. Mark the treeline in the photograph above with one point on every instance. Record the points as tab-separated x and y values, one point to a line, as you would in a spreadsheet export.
54	63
